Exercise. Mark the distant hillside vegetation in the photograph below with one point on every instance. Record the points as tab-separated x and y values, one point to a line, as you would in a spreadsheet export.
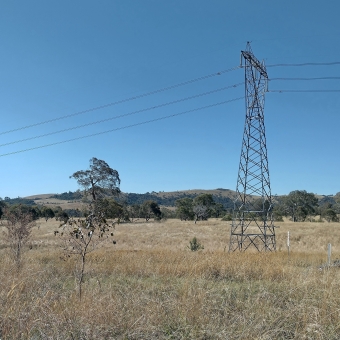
327	200
68	196
19	200
169	199
70	200
223	196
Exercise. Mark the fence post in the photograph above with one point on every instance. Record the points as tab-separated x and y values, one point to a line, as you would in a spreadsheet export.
329	254
288	243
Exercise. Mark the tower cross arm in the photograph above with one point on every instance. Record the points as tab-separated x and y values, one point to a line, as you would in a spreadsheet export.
255	63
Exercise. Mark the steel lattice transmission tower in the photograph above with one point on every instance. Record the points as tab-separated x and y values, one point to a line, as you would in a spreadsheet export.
252	224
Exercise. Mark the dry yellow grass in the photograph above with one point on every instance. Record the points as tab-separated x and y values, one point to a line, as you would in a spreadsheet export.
151	286
174	234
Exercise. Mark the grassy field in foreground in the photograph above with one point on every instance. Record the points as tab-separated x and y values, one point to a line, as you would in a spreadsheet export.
151	286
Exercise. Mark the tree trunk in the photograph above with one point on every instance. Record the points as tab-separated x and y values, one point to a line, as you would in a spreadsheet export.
81	274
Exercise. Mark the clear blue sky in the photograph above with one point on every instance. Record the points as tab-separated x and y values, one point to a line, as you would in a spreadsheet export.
61	57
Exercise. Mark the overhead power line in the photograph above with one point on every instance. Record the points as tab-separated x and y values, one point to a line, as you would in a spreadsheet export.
123	127
123	100
305	64
313	78
123	115
304	91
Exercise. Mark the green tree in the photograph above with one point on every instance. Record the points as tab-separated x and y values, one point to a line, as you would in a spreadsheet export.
57	210
34	211
134	211
168	213
112	209
204	199
151	209
299	204
330	215
2	206
82	236
260	205
61	216
98	180
202	206
47	213
336	208
278	213
218	210
184	208
328	212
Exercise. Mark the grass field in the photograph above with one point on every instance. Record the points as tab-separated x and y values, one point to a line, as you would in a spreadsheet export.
151	286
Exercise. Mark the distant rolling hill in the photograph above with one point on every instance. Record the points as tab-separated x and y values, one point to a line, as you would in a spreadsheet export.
72	200
223	196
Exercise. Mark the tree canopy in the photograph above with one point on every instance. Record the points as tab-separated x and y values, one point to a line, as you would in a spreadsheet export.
185	208
299	204
46	212
98	180
151	209
2	205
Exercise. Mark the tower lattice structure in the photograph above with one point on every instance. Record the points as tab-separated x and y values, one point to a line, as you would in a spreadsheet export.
252	224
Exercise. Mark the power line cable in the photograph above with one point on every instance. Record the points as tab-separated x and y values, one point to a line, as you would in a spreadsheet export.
123	115
122	128
123	100
312	91
313	78
305	64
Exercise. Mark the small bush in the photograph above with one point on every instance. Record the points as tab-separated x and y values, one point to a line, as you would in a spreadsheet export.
227	217
195	245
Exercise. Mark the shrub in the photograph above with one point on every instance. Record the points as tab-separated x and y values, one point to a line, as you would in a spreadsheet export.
194	245
19	222
227	217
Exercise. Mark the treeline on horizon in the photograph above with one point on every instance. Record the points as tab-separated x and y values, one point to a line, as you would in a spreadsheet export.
133	198
129	198
298	206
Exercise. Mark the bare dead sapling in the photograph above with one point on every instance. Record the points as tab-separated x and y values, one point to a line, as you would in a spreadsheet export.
84	235
18	223
201	212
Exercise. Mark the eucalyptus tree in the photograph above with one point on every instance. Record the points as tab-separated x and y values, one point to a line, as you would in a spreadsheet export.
98	180
299	204
83	235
